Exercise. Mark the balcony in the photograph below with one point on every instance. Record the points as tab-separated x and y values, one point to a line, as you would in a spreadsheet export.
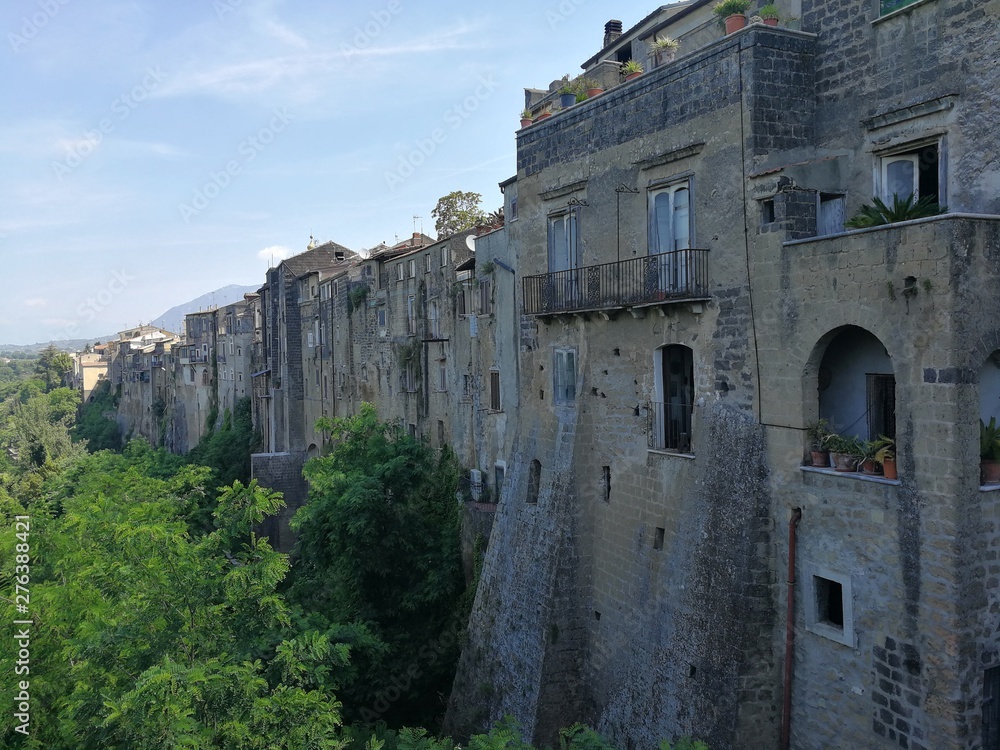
888	6
668	426
666	278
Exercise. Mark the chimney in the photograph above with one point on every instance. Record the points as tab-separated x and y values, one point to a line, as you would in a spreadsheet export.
612	30
417	239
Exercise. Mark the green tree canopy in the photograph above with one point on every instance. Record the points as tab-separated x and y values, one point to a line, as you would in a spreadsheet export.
457	212
52	366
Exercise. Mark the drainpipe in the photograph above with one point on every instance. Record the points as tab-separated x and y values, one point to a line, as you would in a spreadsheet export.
786	715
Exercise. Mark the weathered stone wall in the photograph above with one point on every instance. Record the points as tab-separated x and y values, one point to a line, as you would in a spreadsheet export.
281	472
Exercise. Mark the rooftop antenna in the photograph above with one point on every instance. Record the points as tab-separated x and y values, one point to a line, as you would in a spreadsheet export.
421	220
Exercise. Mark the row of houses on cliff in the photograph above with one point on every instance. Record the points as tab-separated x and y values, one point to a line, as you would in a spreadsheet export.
630	366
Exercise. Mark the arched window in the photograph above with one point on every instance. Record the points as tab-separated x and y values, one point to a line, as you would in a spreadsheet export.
673	399
857	386
534	480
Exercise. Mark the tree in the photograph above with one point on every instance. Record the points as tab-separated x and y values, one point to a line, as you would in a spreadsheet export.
379	548
52	366
457	212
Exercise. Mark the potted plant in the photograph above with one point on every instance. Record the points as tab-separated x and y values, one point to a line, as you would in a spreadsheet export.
544	114
868	464
989	452
886	456
591	87
733	13
817	433
769	13
632	69
664	49
567	96
845	452
526	118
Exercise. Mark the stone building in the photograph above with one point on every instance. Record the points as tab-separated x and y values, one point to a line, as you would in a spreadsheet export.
138	366
90	369
688	302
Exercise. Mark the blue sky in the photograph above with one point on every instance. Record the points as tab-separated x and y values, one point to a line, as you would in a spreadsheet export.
153	151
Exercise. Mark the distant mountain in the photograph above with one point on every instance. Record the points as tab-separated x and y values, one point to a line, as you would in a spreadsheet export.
173	319
66	345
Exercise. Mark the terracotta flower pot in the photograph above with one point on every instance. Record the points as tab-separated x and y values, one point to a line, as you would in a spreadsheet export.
821	459
735	22
591	93
989	472
869	466
889	468
845	462
770	21
543	116
630	76
525	122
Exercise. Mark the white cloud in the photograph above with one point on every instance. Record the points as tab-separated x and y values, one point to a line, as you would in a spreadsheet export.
274	253
36	302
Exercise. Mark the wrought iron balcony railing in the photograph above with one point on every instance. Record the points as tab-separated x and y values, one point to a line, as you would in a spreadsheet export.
678	276
668	426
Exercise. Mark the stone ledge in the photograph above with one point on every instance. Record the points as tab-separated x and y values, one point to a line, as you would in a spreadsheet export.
851	475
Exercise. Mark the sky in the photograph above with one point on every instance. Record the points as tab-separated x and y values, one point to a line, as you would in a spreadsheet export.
153	151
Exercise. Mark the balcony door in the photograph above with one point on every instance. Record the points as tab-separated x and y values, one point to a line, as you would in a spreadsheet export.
670	236
564	259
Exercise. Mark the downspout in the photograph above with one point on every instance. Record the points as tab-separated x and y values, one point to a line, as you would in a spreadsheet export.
786	713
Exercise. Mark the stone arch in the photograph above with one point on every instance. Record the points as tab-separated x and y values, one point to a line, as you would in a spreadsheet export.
849	380
313	451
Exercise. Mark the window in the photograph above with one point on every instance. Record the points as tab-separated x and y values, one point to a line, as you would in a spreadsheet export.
381	317
830	217
830	606
512	193
399	272
670	234
673	399
495	390
564	375
444	256
499	473
410	376
440	433
564	259
413	268
411	315
991	709
432	320
880	391
534	480
913	171
427	263
606	482
485	297
364	373
767	211
411	430
442	375
326	387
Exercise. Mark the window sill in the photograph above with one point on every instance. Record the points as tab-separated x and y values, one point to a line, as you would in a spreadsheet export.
993	487
850	475
673	454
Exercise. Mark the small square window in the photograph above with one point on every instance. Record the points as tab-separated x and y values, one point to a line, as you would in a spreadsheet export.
767	211
830	606
658	538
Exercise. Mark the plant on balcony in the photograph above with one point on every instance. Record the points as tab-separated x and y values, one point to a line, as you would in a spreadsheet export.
869	464
526	119
544	114
591	87
770	14
885	455
818	433
845	451
989	451
567	96
664	49
733	13
902	209
632	69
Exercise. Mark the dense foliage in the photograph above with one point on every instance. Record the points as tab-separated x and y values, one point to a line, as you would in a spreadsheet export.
227	450
457	212
379	546
97	423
